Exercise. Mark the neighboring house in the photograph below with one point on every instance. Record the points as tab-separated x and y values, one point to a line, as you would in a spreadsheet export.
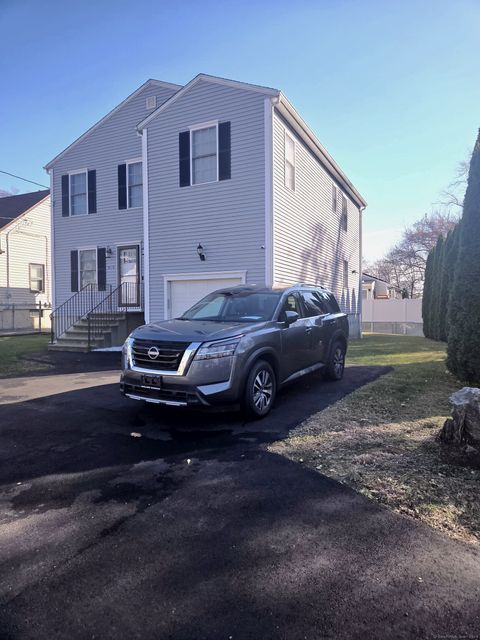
377	289
25	273
181	190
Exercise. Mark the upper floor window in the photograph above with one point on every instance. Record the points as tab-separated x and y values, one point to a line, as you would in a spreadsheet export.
334	197
78	193
344	213
134	185
289	162
204	155
36	276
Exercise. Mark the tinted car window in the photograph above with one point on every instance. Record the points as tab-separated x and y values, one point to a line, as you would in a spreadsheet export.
291	303
237	306
332	304
314	303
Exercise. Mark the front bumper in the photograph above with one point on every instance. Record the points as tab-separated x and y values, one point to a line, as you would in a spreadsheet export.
205	384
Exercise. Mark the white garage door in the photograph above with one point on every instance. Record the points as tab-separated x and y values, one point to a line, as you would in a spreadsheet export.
185	293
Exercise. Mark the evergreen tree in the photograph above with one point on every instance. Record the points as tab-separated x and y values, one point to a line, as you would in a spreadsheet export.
437	288
450	268
464	335
427	297
444	288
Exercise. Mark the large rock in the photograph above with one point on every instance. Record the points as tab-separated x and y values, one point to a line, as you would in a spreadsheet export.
464	425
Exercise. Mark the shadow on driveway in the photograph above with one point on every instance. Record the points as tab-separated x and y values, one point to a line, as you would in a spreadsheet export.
194	532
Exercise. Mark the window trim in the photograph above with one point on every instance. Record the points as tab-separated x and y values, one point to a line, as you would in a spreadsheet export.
345	272
334	197
289	135
36	264
96	265
199	127
127	163
74	173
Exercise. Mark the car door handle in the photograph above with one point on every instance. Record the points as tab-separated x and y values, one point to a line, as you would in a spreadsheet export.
308	329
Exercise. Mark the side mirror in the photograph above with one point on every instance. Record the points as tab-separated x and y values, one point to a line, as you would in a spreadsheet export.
291	317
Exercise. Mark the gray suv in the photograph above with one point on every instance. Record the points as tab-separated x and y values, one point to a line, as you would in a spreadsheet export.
236	346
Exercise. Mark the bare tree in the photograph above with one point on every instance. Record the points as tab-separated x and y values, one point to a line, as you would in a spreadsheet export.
451	198
404	264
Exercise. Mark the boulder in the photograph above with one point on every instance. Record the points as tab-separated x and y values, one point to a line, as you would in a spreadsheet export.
464	425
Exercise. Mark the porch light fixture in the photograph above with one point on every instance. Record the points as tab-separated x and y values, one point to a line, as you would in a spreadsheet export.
201	253
108	252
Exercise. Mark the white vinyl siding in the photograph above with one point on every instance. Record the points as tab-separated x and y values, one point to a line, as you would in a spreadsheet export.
204	154
113	142
78	193
309	244
134	185
227	217
28	244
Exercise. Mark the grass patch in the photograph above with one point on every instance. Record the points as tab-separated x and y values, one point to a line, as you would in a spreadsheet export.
381	439
17	354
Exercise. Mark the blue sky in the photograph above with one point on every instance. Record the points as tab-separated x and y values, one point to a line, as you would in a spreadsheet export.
391	88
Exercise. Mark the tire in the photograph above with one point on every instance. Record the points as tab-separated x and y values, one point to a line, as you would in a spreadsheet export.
336	362
260	390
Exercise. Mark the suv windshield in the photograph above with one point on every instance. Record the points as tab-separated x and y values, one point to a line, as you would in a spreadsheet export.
244	306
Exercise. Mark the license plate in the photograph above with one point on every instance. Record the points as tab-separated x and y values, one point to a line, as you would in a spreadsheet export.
152	381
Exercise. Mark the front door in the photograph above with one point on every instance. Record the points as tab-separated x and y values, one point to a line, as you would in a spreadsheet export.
129	275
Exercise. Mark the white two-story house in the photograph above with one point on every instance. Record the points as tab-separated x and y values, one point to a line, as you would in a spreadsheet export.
182	190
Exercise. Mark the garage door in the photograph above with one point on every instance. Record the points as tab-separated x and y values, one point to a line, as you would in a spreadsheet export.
185	293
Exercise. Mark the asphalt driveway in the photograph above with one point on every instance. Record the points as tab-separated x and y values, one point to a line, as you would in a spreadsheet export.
189	529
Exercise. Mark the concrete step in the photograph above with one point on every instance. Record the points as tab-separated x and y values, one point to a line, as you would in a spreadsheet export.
59	346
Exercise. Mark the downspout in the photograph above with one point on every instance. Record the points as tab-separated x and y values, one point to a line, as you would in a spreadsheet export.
360	292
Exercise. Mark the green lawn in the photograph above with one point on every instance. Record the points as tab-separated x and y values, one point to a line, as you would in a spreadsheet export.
18	354
382	438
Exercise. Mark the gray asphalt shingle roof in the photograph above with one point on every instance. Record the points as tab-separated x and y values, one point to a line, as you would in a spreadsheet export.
13	206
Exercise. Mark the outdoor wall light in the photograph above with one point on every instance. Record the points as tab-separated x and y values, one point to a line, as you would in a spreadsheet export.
108	252
354	271
201	253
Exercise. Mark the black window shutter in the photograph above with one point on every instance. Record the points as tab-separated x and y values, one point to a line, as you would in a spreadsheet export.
224	152
65	197
74	270
92	191
102	268
122	186
184	158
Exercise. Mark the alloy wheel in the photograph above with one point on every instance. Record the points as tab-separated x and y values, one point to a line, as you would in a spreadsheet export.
262	390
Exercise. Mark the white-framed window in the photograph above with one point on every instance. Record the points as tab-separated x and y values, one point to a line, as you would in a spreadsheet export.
134	184
204	153
36	277
334	197
87	266
289	162
344	213
345	274
78	193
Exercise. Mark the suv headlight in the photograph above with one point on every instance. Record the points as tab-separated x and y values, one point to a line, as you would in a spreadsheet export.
218	349
127	353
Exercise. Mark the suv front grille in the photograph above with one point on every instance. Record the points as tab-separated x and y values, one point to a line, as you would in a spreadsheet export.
169	354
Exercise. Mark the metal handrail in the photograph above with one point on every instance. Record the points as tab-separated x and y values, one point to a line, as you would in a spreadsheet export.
126	296
74	309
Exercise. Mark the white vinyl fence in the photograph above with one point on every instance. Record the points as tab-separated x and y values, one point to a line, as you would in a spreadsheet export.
393	316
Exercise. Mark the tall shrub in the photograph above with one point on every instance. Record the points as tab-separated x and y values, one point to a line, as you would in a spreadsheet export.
437	288
451	258
464	336
427	295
